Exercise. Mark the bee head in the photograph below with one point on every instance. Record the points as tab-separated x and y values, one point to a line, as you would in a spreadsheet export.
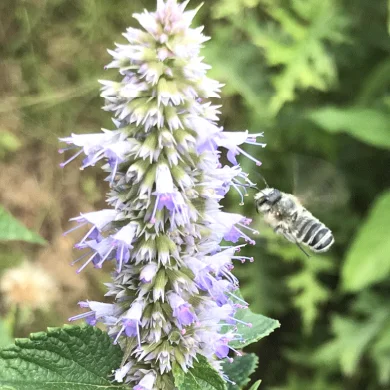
268	196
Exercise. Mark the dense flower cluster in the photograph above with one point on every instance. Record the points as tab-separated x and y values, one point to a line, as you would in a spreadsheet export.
173	289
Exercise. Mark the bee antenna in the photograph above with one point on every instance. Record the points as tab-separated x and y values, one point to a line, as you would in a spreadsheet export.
262	178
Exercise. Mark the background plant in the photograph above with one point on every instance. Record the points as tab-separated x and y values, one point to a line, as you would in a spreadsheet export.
314	75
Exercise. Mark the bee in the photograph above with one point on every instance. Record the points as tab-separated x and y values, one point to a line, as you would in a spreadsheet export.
285	214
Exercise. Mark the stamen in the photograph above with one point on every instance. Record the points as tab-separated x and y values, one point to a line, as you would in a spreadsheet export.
98	156
248	228
238	353
74	228
254	136
245	237
118	335
81	316
256	143
138	336
243	258
120	259
238	298
86	236
100	263
81	257
240	193
113	173
248	324
226	378
258	163
62	150
231	277
71	159
86	263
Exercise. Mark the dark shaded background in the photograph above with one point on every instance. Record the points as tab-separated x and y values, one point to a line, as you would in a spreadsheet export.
314	75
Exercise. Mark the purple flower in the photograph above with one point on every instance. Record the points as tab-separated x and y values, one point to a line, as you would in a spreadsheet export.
173	287
182	310
120	373
148	272
98	219
221	348
122	240
131	322
147	382
232	140
98	312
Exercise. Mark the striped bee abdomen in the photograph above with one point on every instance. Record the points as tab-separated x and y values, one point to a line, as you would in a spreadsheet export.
322	240
314	234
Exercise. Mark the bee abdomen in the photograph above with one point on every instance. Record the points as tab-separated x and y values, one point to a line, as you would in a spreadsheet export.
322	240
315	235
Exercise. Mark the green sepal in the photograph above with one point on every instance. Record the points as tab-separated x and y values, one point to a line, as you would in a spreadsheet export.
256	385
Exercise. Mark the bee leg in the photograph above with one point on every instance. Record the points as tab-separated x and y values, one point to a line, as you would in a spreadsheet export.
299	245
279	229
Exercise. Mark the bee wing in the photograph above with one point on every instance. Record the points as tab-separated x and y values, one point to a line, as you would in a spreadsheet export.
318	184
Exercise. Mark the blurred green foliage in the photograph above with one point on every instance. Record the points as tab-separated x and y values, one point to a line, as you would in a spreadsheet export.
314	75
12	230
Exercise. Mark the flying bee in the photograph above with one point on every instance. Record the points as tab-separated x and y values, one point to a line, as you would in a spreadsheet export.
285	214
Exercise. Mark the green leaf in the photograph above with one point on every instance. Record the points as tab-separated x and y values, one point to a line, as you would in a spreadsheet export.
202	376
5	333
309	292
256	385
297	42
259	327
368	125
68	358
368	261
8	143
354	336
240	369
12	230
230	8
381	355
240	71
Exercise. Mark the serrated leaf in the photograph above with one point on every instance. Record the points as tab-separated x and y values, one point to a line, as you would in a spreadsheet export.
240	369
352	338
368	125
367	261
68	358
259	327
12	230
309	292
202	376
297	43
256	385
